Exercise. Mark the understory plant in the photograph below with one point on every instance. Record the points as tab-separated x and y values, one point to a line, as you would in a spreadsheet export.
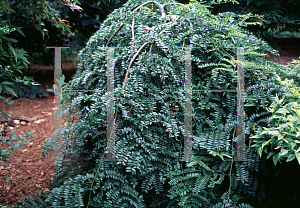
148	41
29	88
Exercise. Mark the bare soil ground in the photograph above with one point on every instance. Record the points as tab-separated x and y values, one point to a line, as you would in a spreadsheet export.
28	171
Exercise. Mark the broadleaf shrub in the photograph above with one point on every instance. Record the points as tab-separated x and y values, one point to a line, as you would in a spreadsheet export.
82	23
149	92
284	136
11	60
294	71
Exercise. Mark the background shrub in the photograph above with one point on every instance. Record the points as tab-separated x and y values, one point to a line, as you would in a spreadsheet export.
278	16
83	25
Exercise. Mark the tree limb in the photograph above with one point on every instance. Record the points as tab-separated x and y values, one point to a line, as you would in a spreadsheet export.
163	14
151	47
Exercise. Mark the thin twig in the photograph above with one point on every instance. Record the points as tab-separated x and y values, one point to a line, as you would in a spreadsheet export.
182	46
175	22
277	4
230	37
233	40
114	34
189	21
137	53
162	11
163	14
161	7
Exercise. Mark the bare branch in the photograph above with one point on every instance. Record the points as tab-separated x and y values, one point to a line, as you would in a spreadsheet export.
189	21
163	16
137	53
114	34
277	5
162	11
231	38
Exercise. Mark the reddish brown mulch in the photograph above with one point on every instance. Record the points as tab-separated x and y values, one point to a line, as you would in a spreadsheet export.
28	172
290	50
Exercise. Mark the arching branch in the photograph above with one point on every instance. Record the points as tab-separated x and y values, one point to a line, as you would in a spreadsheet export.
114	34
161	8
162	11
137	53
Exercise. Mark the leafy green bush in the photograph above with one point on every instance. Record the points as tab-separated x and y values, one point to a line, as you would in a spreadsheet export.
275	16
283	138
9	63
149	137
83	24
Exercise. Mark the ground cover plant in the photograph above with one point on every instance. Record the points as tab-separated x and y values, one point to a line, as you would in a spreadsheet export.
149	94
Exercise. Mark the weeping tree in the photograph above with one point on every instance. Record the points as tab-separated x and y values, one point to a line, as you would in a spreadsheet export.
141	50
